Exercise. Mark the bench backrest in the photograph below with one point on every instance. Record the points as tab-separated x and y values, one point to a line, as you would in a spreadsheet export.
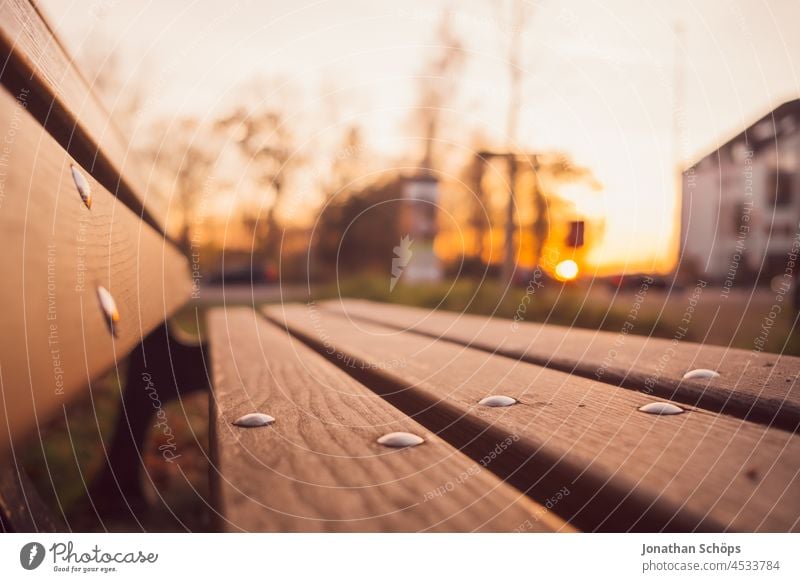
80	239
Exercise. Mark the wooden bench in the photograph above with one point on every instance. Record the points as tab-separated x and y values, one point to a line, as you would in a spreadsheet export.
88	273
320	467
577	426
92	282
576	441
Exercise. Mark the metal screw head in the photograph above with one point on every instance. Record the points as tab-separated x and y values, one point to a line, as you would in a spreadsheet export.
701	374
109	307
497	400
82	185
661	408
254	419
399	440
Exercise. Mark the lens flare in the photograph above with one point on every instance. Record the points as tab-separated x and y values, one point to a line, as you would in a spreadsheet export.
567	270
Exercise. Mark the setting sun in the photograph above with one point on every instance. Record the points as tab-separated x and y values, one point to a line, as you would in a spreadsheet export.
409	253
567	270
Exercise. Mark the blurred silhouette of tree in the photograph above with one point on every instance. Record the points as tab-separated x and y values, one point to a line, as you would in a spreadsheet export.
183	155
123	99
267	145
178	151
551	211
348	164
438	83
356	232
544	214
518	16
472	176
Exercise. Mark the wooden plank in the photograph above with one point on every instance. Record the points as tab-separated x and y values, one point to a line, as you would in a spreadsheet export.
36	64
757	386
626	469
56	253
319	467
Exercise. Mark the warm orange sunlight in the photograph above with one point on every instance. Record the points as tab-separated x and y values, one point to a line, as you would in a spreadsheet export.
381	267
632	91
566	270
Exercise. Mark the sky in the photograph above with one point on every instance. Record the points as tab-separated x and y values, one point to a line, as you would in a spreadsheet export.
632	89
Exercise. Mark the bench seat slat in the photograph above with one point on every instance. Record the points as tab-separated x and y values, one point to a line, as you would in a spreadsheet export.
56	253
319	468
627	470
754	385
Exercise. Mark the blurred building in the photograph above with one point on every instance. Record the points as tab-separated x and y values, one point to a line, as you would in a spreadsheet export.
741	203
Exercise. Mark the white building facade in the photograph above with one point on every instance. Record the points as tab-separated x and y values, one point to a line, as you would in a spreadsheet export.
741	203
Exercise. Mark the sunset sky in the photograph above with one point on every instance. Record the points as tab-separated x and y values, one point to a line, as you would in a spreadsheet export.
599	80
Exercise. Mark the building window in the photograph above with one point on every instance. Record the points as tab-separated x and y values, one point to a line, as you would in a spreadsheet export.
779	188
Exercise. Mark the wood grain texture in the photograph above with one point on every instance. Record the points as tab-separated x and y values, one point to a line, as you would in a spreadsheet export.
36	65
626	469
757	386
319	467
56	252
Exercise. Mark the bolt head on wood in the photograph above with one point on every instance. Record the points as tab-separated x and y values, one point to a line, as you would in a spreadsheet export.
83	187
400	440
661	408
254	419
109	307
497	401
701	374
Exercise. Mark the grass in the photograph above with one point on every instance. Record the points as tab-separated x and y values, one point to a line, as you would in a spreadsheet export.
554	303
64	457
727	321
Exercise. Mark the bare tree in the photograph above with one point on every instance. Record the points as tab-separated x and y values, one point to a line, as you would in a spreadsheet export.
177	150
472	175
437	86
102	70
518	15
552	170
183	160
348	161
267	143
